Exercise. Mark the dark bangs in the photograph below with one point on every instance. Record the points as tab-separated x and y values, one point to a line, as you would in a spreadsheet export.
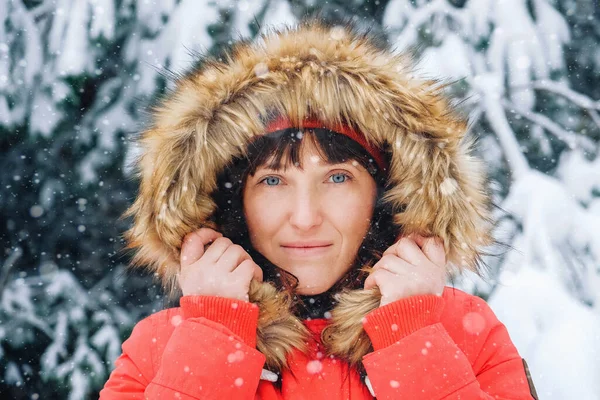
283	149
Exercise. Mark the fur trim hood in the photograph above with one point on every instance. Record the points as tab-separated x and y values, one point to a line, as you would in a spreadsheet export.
336	74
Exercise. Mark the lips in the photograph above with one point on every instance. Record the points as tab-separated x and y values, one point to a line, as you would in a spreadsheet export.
306	249
301	245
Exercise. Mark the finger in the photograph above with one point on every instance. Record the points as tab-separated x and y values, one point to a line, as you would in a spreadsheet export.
375	279
433	248
398	266
244	271
407	249
386	259
217	248
370	281
258	273
192	247
208	235
392	249
233	256
250	268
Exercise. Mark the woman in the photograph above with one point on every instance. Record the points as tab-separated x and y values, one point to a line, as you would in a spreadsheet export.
307	197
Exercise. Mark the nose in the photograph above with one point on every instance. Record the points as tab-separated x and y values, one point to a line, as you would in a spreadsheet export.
306	210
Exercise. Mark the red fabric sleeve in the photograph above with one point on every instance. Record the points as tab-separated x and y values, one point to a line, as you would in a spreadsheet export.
205	360
416	358
133	369
186	355
388	324
240	317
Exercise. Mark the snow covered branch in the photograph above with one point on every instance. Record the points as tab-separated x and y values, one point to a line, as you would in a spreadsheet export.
7	267
497	118
570	138
418	17
581	100
590	105
42	10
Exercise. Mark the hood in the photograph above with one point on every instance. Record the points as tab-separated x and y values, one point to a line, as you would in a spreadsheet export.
337	74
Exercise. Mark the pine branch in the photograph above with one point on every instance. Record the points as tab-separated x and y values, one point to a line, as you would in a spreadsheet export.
595	117
581	100
43	10
419	17
32	320
497	119
7	266
572	139
590	105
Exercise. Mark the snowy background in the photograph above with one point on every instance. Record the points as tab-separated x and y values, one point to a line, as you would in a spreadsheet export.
77	75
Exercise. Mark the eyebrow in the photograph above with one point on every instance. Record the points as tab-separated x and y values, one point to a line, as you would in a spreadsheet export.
282	166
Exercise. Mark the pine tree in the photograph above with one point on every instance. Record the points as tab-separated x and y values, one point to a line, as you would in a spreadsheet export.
528	86
76	77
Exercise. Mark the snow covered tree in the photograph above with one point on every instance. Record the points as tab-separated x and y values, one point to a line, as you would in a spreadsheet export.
538	129
77	75
74	77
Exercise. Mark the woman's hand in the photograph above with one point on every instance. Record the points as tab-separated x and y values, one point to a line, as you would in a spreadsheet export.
413	265
224	269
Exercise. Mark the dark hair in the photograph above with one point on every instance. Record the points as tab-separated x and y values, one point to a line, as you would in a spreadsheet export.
285	146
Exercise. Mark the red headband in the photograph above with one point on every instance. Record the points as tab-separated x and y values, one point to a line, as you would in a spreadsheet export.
284	123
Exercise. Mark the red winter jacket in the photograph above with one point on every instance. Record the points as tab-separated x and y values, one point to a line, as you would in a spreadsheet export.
426	347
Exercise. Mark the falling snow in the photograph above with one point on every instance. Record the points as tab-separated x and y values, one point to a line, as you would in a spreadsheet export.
77	76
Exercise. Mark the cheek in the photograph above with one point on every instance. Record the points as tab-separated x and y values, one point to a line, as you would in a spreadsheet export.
351	211
263	217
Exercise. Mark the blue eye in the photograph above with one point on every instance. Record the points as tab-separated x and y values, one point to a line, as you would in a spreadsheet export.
339	178
271	180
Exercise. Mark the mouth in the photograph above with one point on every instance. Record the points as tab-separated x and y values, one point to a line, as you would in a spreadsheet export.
306	249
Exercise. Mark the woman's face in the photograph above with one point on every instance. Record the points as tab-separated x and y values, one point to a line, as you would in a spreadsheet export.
310	221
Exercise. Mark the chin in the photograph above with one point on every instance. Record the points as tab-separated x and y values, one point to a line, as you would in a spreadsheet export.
314	278
313	289
310	291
